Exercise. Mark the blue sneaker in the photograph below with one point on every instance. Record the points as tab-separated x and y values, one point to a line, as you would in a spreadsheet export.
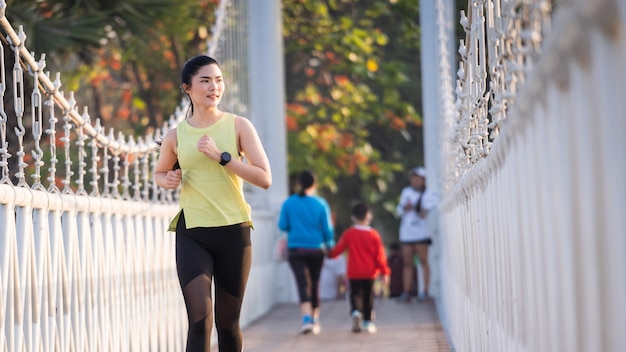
307	324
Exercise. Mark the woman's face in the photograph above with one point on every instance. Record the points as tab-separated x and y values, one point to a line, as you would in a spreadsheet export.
207	86
417	182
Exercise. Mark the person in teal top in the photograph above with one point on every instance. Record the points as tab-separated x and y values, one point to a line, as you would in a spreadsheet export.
306	218
204	155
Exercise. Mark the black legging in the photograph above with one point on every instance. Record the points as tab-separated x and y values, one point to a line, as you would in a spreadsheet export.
361	297
306	265
222	254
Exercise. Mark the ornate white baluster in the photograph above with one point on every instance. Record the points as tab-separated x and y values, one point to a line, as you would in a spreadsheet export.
82	154
4	145
128	158
116	167
495	41
137	171
106	158
95	158
18	105
154	156
51	131
67	127
145	169
37	122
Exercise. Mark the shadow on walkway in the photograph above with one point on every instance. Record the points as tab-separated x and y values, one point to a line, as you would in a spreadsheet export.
402	327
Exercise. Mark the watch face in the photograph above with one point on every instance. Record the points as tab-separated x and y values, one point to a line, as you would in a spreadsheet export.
225	158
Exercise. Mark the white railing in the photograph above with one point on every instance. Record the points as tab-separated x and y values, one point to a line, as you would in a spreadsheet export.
532	220
86	263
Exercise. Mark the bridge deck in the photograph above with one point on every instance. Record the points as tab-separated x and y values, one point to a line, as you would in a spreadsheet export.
413	327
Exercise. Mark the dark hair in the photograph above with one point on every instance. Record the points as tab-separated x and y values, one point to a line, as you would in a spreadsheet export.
418	206
191	68
306	180
359	211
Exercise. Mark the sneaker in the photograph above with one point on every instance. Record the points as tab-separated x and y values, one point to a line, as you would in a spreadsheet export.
306	328
317	328
404	298
370	327
422	296
307	325
356	321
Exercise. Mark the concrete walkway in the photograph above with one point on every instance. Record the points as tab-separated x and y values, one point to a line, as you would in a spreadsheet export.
402	327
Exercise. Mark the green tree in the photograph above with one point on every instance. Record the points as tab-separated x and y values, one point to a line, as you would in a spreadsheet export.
121	58
128	52
353	92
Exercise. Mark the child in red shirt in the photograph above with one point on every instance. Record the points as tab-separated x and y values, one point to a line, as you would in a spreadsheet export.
366	260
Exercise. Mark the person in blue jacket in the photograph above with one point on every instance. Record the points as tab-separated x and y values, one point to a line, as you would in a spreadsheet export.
306	218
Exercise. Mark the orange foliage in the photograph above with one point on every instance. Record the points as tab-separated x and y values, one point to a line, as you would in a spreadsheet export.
123	113
297	109
46	10
347	163
346	140
360	158
116	65
28	158
398	123
331	56
127	96
167	85
322	145
342	80
292	123
99	78
58	181
169	55
309	72
351	167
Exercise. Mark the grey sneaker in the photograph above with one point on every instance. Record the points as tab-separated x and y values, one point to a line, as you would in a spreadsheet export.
404	298
306	328
356	321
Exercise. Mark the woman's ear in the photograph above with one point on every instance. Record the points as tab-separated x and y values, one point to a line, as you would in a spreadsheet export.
184	87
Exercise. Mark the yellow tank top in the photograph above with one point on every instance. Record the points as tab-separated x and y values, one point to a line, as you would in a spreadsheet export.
211	195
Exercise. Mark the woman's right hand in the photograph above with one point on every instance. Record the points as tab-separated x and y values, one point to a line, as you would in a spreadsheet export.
173	178
164	175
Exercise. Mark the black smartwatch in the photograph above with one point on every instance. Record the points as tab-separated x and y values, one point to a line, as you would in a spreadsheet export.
225	158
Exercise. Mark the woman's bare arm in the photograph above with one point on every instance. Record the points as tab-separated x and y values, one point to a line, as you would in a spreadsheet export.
164	174
257	170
